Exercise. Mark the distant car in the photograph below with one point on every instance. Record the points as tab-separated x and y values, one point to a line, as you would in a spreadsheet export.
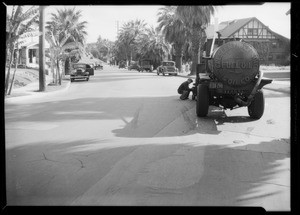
134	67
99	65
167	67
122	64
81	71
146	65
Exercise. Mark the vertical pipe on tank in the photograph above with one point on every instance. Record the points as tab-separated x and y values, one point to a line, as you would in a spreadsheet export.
216	26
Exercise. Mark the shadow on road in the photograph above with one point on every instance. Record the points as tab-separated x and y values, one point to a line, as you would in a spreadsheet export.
57	173
141	116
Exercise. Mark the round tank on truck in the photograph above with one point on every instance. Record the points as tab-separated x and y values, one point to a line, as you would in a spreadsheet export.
235	63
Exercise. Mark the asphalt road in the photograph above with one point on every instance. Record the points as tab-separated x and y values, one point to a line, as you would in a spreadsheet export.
125	138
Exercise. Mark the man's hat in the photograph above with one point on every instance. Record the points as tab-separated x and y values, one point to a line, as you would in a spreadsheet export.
190	80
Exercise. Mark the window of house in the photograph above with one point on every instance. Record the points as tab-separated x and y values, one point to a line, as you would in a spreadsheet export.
254	31
278	57
270	57
274	45
250	31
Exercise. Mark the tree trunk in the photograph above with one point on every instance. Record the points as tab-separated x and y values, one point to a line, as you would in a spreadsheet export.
196	36
13	78
9	66
53	71
56	72
178	56
59	73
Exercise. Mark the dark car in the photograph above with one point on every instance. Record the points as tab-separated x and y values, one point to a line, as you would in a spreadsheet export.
167	67
122	64
81	71
134	67
146	65
99	65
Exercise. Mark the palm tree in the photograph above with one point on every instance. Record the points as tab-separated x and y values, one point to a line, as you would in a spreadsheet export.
196	18
174	30
19	25
153	46
66	36
129	34
69	19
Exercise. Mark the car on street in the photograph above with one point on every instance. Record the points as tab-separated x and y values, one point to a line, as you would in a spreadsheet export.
81	71
167	67
146	65
134	66
99	65
122	64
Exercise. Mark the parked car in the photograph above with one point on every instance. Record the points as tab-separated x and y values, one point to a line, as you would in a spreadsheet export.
81	71
167	67
122	64
146	65
134	66
99	65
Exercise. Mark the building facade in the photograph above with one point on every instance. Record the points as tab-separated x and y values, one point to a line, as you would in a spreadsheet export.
272	48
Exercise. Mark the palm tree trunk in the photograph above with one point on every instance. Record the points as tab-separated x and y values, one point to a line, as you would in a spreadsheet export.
59	73
195	49
56	72
178	56
53	71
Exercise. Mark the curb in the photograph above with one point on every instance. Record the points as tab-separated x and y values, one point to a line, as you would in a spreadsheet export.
39	94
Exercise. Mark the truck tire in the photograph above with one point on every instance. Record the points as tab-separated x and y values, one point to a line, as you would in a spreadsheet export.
257	106
202	103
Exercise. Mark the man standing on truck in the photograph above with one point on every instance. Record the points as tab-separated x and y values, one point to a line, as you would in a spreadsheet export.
184	89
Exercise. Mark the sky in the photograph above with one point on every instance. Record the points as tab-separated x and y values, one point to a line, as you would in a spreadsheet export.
104	20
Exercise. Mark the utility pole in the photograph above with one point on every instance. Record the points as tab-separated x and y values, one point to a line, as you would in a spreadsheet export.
42	77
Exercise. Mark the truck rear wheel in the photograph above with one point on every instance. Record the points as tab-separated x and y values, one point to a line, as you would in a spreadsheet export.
202	103
257	106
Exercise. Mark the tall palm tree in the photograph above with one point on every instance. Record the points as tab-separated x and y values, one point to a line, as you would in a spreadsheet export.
66	35
69	20
153	46
129	34
19	25
196	18
174	30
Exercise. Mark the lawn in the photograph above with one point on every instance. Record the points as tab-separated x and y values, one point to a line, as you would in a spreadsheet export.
24	76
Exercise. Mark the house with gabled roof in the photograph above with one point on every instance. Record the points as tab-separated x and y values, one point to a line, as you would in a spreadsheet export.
272	47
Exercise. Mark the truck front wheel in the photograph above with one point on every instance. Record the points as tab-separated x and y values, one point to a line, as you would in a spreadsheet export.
257	106
202	103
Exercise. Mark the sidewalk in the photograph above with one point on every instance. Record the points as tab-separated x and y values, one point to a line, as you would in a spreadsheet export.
32	89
